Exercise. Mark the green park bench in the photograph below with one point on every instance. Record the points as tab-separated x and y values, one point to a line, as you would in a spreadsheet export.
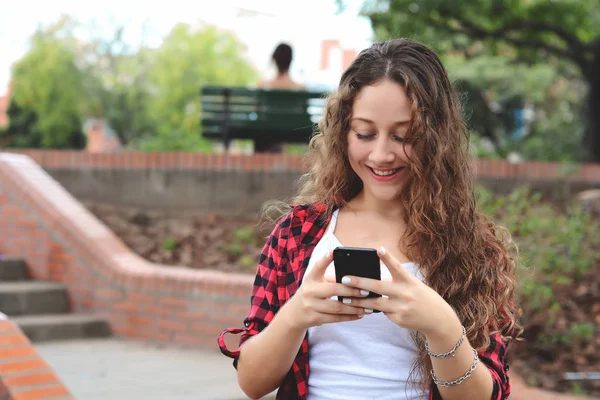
262	115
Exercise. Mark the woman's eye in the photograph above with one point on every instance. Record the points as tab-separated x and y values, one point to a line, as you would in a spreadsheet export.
401	139
364	136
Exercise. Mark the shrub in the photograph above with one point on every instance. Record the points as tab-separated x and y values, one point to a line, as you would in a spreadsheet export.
559	248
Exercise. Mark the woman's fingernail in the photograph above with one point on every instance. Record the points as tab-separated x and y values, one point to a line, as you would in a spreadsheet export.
360	315
345	280
328	254
382	250
347	300
368	310
364	292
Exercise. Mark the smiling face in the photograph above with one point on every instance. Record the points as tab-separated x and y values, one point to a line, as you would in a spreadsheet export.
377	148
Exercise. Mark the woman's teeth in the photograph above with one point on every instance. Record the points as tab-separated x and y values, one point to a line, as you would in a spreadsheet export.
384	173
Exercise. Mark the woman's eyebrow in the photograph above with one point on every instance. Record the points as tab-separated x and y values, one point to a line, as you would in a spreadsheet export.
397	123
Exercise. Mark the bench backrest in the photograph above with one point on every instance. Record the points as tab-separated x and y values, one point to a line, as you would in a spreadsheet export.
289	116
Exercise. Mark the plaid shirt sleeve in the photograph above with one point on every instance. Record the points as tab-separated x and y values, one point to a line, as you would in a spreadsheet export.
494	357
264	300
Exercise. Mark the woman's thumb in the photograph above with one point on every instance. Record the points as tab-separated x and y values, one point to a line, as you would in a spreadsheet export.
318	270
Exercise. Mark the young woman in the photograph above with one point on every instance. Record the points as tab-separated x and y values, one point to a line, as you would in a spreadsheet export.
390	170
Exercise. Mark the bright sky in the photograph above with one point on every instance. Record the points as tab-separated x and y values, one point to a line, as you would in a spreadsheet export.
301	23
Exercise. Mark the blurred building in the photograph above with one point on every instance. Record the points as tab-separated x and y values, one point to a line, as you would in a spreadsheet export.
335	59
101	138
4	103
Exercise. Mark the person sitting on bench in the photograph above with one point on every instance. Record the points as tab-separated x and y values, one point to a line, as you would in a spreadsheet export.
282	56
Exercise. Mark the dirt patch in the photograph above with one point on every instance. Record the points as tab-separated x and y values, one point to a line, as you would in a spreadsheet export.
231	244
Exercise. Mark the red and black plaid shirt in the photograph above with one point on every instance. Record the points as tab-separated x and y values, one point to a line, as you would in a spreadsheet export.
282	264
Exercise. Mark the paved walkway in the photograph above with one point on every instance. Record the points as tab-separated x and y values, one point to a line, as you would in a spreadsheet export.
124	370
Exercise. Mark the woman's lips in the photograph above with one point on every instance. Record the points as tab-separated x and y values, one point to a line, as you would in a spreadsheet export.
386	178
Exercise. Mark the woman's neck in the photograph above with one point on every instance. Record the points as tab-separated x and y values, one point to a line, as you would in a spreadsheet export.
363	202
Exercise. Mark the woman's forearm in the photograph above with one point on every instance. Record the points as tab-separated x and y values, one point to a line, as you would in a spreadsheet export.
266	358
478	386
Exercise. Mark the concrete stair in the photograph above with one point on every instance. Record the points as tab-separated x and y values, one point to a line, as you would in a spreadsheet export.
32	298
41	309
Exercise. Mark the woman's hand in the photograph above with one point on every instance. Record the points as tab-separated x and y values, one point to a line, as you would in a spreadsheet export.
409	303
312	304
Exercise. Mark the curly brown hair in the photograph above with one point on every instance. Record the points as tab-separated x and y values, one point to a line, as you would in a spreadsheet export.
465	257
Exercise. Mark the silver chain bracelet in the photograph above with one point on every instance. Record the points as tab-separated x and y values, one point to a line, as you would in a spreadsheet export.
459	380
448	353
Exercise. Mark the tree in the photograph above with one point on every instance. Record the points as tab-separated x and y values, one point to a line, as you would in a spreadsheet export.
188	59
117	83
21	132
48	94
534	31
493	87
149	97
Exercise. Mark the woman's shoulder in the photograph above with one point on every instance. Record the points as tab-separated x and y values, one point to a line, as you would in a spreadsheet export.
302	218
308	212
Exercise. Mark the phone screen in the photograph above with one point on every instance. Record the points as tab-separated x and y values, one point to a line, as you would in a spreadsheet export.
356	261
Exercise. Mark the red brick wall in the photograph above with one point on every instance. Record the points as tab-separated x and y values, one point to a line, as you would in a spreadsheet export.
24	375
282	162
163	160
62	241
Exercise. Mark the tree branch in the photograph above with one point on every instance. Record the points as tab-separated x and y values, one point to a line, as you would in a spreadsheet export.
578	55
568	37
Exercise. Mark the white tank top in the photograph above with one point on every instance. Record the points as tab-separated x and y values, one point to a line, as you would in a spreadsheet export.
368	358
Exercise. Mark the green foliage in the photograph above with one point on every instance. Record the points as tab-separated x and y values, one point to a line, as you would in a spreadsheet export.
48	93
150	97
582	331
187	60
558	251
555	136
176	140
244	243
22	131
511	53
248	262
556	132
169	244
526	25
234	250
117	85
500	78
244	234
578	389
296	149
483	148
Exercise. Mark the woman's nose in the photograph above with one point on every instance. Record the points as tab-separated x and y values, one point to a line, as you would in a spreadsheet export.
381	153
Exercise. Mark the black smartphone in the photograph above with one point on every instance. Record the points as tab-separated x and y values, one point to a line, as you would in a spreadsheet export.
356	261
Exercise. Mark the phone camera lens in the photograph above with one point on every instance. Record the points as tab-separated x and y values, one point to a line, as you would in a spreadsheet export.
348	254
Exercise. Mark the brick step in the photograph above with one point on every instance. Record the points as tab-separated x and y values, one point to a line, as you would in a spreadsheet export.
40	328
13	269
33	298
